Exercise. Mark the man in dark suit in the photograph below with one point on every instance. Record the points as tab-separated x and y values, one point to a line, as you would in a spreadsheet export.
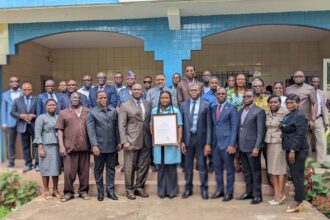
102	86
197	135
8	122
225	126
250	138
183	86
24	109
102	128
49	94
134	116
71	88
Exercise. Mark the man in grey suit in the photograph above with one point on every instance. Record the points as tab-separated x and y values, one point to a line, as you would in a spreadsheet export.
24	109
197	133
102	128
321	122
134	116
153	93
250	138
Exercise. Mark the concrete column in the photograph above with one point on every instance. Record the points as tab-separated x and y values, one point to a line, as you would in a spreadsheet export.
4	43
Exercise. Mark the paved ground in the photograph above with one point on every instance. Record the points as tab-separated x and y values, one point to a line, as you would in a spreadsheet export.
154	208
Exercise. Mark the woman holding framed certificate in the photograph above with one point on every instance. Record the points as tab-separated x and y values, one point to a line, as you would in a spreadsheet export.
166	128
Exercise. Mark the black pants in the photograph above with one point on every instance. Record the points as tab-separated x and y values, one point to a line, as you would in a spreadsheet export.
12	133
297	173
167	180
27	138
109	161
252	173
193	150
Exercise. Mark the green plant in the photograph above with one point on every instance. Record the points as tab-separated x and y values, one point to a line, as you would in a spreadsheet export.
317	186
4	211
13	193
322	203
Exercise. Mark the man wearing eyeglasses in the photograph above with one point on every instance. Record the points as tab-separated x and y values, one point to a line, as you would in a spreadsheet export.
308	100
147	82
7	120
87	85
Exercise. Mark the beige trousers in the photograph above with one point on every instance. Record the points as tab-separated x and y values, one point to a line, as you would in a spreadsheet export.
320	145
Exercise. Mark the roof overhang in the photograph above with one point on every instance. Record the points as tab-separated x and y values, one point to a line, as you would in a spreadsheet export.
137	9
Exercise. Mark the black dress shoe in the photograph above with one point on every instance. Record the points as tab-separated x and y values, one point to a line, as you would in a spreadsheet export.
27	169
161	196
186	194
112	195
245	196
100	197
217	195
227	198
171	196
256	200
205	195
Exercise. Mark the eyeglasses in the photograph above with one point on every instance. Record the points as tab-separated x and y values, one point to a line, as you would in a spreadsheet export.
14	81
86	80
258	86
147	82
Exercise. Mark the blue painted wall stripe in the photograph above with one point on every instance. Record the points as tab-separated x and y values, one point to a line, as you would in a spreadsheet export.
50	3
168	45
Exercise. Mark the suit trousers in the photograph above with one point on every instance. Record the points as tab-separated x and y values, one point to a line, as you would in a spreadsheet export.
27	138
109	161
136	161
193	150
252	173
12	133
320	144
76	163
297	173
220	158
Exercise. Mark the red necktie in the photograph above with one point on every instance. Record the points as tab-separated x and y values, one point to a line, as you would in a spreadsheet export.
217	114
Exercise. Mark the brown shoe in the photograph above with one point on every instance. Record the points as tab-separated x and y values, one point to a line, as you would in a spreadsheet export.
130	195
141	192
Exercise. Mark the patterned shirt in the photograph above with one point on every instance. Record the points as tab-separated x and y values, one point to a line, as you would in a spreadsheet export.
261	102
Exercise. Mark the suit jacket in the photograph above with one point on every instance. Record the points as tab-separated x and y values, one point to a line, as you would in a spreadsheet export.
19	108
294	128
41	103
225	129
66	100
111	94
154	93
204	122
252	131
102	129
183	90
6	107
324	110
131	125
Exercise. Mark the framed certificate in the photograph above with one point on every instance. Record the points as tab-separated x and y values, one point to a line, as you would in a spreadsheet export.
164	129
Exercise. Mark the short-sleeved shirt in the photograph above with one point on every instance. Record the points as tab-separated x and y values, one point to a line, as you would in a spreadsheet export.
307	97
74	129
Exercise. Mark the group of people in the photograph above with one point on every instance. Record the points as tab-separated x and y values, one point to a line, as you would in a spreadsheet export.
216	127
